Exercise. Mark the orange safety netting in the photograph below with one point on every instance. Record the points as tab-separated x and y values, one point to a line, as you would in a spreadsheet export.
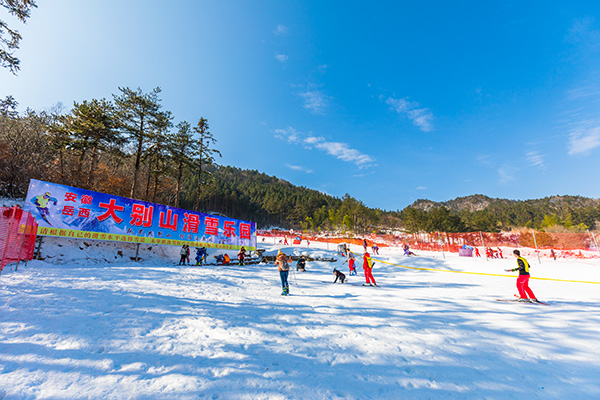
568	244
18	231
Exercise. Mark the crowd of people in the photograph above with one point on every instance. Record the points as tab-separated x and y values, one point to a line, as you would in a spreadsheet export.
202	256
284	261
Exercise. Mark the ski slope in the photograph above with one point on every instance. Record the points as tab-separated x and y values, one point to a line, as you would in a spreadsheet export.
87	323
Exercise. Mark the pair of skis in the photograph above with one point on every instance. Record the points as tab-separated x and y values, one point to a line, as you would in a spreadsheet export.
525	301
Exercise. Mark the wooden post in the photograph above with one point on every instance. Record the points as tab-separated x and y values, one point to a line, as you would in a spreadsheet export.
536	248
441	245
39	247
483	243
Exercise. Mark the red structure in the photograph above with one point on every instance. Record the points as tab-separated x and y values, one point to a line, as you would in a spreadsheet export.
18	231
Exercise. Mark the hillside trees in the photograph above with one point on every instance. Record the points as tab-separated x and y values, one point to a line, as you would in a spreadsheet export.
94	146
24	148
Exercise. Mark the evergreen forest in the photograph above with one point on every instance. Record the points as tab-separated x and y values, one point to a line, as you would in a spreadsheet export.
131	146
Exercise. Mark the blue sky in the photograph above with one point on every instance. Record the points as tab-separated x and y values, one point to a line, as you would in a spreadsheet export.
388	101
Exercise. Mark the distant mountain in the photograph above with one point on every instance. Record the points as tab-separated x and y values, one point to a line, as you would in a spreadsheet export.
479	202
479	212
270	201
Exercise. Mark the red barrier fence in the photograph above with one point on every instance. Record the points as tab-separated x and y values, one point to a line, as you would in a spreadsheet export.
18	230
567	244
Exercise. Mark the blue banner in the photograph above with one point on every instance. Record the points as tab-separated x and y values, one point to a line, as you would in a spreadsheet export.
66	211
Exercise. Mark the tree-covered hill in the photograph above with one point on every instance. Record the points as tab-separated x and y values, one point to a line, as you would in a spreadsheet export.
481	212
130	147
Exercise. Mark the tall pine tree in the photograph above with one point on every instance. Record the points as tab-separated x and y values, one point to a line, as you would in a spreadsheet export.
205	157
136	112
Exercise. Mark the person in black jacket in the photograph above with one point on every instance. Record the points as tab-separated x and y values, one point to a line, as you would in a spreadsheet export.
301	264
339	275
523	279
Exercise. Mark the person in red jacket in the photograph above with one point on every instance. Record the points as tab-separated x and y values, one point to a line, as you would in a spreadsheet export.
523	279
368	267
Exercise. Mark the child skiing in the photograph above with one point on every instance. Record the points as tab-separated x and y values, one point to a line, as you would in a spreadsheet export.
523	279
283	265
368	266
242	255
301	263
351	264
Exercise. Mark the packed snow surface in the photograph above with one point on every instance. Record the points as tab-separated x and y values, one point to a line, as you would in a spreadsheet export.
89	323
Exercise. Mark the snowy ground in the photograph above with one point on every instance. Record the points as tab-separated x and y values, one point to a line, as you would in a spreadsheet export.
88	323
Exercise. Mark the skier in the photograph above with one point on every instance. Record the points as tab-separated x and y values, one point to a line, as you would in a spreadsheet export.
339	275
183	254
407	251
368	267
41	204
500	253
553	254
242	255
375	248
187	253
301	263
523	279
283	265
226	259
351	265
477	252
365	244
201	255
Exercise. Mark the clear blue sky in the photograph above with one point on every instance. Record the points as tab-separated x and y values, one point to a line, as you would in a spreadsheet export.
388	101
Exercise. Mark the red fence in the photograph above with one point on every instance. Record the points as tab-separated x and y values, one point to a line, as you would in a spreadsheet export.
567	244
17	235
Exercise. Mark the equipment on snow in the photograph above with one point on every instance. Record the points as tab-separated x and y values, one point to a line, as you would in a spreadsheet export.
526	301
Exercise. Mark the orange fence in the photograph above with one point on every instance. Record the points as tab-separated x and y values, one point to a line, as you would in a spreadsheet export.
17	235
566	245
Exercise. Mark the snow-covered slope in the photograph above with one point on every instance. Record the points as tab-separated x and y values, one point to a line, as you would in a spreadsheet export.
89	323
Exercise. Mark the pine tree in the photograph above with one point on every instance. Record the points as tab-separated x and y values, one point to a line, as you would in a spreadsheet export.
205	156
156	152
22	10
183	149
91	130
136	111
